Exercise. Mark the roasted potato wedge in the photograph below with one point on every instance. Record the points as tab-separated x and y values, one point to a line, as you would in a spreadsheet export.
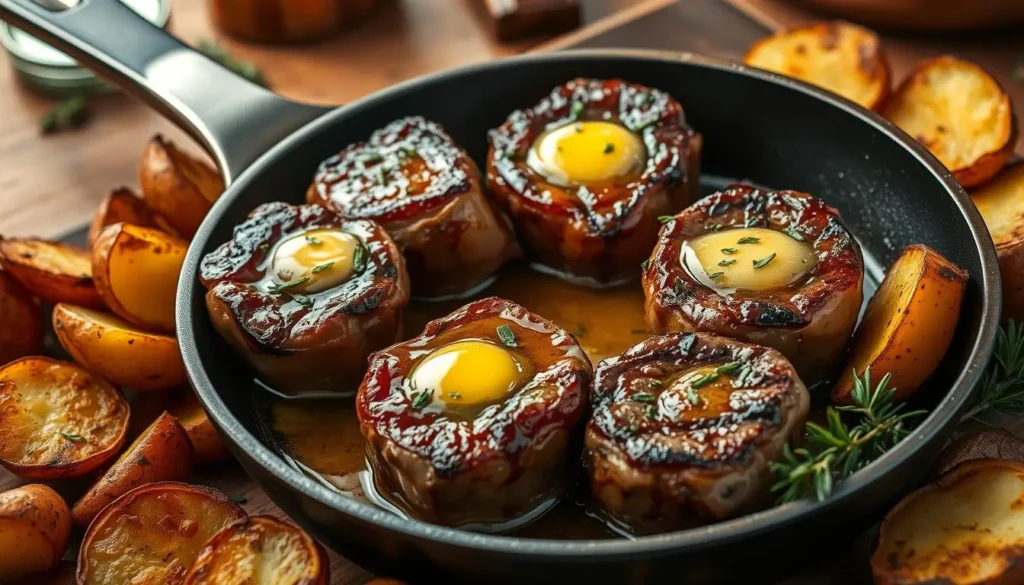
34	529
207	444
908	323
122	205
118	350
989	443
58	420
161	453
1001	203
960	113
967	528
52	271
260	549
21	321
137	271
153	534
177	186
841	57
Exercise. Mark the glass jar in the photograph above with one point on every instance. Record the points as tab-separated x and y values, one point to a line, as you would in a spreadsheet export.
283	21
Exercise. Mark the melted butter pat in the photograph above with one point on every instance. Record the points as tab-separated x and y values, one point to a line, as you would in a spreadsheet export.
323	256
586	152
469	373
718	259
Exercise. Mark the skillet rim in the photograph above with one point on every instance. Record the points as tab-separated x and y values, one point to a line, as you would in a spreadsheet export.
714	535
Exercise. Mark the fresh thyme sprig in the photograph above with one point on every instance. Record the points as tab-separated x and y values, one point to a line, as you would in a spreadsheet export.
1002	389
836	451
70	113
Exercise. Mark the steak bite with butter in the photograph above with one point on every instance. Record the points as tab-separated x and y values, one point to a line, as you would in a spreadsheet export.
684	427
776	268
476	422
410	177
305	296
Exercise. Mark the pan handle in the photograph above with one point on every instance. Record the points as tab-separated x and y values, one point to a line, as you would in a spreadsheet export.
237	121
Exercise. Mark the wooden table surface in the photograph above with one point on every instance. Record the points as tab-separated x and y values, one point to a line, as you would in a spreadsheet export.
49	185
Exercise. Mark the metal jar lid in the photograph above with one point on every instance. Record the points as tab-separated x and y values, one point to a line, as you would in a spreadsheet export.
51	71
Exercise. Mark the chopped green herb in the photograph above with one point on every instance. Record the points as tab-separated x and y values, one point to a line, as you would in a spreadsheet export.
70	113
729	251
749	240
303	300
645	264
666	218
651	411
791	232
576	110
325	266
381	177
373	158
609	148
713	227
645	397
73	437
238	499
263	247
692	396
455	395
704	380
276	288
764	261
678	287
408	152
641	98
359	258
726	262
729	368
715	275
313	241
507	336
421	399
655	383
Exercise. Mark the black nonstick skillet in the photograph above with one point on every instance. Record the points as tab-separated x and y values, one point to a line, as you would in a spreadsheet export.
756	126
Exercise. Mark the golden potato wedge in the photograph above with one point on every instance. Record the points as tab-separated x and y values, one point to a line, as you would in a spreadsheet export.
52	271
1001	203
908	324
841	57
118	350
967	528
260	549
207	444
153	534
161	453
34	529
177	186
21	321
58	420
122	205
960	113
137	271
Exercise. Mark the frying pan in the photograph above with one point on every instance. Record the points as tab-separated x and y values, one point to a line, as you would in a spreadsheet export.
757	126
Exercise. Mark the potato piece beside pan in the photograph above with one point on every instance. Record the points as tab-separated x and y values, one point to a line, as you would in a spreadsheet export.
122	205
207	444
34	529
153	534
118	350
53	271
960	113
21	321
1001	203
838	56
58	420
137	271
965	529
260	549
177	186
908	324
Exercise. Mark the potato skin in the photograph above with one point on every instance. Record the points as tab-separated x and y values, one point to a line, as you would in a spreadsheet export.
122	205
35	526
177	186
162	453
53	271
21	332
117	350
1001	203
906	340
208	445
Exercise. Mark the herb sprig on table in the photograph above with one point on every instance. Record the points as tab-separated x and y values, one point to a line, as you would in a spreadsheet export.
1002	389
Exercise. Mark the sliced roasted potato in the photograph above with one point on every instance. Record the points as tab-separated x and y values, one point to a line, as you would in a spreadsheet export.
960	113
161	453
967	528
118	350
207	443
985	444
34	529
1001	203
260	549
52	271
153	534
137	271
21	322
122	205
908	324
58	420
177	186
839	56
